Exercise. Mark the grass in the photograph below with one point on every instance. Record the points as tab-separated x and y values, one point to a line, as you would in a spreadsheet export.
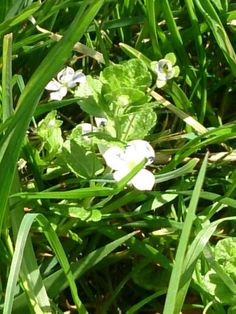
72	238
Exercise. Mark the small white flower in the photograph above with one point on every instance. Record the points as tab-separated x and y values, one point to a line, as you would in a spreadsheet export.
164	70
122	161
66	79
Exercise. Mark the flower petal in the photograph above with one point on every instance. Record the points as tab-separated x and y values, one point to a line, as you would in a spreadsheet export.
160	83
53	85
66	75
114	158
59	94
138	150
121	173
144	180
78	77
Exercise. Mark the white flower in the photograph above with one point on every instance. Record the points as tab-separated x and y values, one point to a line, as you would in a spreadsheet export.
164	70
66	79
122	161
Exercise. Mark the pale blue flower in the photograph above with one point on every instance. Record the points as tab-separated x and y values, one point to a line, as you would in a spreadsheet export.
66	80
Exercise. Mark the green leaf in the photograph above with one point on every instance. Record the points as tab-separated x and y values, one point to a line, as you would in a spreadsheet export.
77	212
50	132
81	162
124	98
138	124
220	280
216	287
171	57
131	74
89	94
225	254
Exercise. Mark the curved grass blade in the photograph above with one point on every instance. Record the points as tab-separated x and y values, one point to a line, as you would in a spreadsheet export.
138	246
151	17
218	30
22	16
146	300
7	106
197	247
56	282
30	276
18	256
173	288
178	172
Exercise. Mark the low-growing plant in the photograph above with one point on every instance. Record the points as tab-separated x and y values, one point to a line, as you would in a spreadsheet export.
117	139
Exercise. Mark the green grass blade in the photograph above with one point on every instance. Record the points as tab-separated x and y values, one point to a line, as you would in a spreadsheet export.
218	30
134	53
22	16
151	18
143	302
138	246
107	304
73	194
16	7
101	42
61	257
214	197
171	298
201	57
18	256
30	277
198	246
57	282
178	172
7	106
176	38
83	192
15	267
216	135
